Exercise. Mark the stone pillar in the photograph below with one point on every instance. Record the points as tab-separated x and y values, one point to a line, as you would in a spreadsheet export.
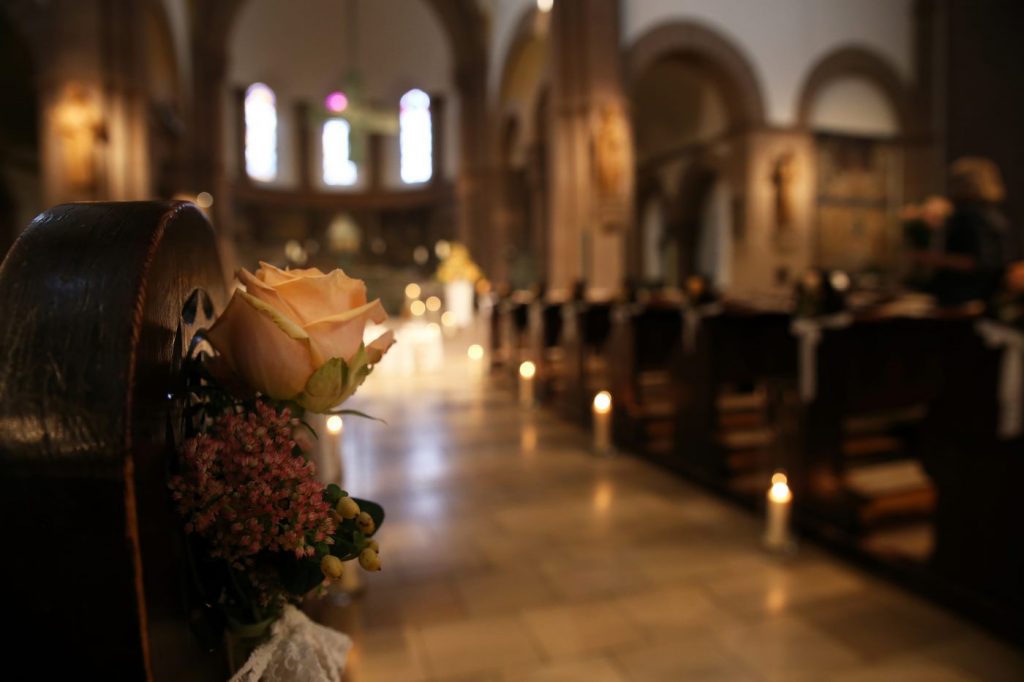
592	156
473	187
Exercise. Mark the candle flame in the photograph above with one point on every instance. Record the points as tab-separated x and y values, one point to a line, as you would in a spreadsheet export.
780	492
527	370
475	352
603	402
334	424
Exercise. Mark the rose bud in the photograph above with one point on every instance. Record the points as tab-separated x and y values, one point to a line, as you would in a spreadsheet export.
348	508
332	567
369	559
365	523
298	335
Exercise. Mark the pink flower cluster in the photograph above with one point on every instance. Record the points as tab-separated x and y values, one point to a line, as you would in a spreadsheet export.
244	491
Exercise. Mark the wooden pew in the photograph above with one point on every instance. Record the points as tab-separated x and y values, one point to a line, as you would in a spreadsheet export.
586	330
979	474
737	364
859	449
101	302
545	344
645	341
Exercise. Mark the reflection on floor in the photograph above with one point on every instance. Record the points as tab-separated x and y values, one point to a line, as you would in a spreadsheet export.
511	553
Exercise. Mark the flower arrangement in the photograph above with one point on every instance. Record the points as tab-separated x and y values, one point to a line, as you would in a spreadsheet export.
458	266
262	531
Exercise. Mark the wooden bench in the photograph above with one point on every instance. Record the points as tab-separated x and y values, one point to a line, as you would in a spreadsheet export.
101	302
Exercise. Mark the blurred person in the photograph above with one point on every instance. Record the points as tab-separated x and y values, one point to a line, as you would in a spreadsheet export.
977	240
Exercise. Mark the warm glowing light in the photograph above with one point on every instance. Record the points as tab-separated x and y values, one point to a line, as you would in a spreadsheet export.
603	402
475	352
528	439
295	252
527	370
604	494
545	5
840	280
334	424
420	255
780	491
417	308
434	329
412	290
336	102
442	249
448	318
204	200
433	304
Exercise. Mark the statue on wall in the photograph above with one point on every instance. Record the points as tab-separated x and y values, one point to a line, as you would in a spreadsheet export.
611	150
80	127
782	178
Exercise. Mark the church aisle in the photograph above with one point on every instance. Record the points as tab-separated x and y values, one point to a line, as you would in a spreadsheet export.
511	553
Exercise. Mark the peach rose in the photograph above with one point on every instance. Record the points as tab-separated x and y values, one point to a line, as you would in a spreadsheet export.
298	335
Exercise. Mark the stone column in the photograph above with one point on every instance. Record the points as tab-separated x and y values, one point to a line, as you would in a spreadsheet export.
592	156
475	180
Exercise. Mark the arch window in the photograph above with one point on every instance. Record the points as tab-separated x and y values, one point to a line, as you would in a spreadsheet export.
339	170
260	133
415	137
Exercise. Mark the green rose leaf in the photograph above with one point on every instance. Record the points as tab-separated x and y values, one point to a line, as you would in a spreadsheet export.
335	382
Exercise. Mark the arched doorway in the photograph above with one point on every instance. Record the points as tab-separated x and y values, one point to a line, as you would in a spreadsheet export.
855	106
694	97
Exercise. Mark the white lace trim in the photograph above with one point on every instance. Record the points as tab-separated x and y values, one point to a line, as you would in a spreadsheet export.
298	649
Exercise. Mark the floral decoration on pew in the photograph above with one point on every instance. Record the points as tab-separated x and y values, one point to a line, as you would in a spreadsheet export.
262	530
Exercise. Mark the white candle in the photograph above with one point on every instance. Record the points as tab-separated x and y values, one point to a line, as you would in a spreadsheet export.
331	443
527	370
603	422
780	501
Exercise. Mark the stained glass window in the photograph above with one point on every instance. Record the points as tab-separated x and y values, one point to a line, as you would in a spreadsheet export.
415	137
260	133
339	168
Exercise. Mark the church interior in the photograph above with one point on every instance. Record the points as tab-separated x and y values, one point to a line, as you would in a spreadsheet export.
708	322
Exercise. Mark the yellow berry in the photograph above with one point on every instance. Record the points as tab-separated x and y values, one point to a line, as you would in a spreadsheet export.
372	544
348	508
365	523
332	567
369	559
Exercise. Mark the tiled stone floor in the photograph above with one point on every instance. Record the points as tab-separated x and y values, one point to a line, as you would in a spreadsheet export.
511	553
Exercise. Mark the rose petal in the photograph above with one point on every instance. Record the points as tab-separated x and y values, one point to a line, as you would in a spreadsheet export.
340	336
379	346
274	275
268	351
266	293
316	297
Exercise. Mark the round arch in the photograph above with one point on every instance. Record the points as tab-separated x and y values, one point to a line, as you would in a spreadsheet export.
710	49
858	62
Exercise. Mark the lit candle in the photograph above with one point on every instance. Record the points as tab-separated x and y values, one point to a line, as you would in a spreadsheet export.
603	422
780	500
331	444
527	370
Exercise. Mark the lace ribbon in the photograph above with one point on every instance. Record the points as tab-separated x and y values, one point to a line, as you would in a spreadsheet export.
298	649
